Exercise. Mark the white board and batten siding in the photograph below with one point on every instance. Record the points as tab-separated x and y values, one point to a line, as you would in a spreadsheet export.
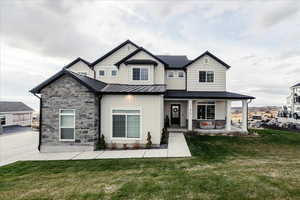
219	70
81	67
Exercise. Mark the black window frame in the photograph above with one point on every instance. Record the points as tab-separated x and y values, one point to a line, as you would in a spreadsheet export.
204	76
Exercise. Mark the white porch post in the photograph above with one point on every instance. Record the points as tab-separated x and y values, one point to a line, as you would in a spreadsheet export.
228	116
245	117
190	115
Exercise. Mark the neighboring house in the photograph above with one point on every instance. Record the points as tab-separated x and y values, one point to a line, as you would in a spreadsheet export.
129	92
15	113
293	101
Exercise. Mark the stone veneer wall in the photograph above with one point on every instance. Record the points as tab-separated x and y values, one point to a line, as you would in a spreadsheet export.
68	93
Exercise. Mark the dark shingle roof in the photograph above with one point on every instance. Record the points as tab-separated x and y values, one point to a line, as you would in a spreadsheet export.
101	87
137	51
298	84
204	95
113	51
174	61
90	83
13	106
140	62
134	89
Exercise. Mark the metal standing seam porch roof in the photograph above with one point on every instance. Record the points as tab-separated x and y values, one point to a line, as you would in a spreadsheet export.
204	95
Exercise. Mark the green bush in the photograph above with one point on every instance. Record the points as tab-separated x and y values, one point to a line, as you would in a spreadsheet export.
149	142
164	136
101	143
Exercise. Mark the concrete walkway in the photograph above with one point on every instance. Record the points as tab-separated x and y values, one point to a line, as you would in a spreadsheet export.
23	146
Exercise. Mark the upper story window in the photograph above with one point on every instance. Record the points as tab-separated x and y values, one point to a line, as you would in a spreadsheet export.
140	74
101	73
82	73
2	120
114	73
170	74
206	76
180	74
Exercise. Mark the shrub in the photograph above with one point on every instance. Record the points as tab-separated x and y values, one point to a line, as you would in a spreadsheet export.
164	136
101	143
125	146
149	142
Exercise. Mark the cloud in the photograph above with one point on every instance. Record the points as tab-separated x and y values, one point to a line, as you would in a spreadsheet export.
281	13
259	39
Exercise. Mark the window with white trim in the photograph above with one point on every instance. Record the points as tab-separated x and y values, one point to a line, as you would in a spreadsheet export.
113	72
180	74
206	110
170	74
126	123
206	76
101	73
67	124
140	74
2	120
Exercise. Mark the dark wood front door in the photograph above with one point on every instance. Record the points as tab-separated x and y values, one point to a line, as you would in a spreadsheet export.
175	114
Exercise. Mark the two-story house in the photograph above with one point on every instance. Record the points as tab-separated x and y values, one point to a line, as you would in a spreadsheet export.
129	92
293	101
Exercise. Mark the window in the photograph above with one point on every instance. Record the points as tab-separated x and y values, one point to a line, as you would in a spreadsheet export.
210	77
140	74
180	74
67	124
101	73
114	73
126	123
82	73
206	76
170	74
206	111
2	120
202	76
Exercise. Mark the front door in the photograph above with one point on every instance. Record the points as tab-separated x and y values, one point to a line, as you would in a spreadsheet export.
175	114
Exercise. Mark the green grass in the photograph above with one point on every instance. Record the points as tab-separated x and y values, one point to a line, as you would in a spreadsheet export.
265	167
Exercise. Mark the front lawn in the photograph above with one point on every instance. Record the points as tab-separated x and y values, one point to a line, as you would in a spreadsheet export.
266	167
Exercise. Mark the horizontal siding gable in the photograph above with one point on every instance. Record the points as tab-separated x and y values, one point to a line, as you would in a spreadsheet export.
82	67
219	70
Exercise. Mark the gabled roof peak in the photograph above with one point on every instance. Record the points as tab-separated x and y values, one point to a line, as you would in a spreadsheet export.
76	61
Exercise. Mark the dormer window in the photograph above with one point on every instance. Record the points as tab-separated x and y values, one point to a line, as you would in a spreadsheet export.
140	74
206	76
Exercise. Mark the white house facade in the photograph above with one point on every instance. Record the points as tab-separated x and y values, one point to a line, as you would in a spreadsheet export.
130	92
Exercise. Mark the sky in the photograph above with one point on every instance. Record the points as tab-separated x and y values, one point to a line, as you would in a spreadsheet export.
260	40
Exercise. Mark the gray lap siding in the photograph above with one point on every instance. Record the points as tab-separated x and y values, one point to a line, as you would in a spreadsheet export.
67	93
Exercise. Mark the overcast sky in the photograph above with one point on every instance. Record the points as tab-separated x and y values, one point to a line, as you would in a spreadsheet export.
260	40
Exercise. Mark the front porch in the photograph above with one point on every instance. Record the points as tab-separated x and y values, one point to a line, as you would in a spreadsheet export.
208	116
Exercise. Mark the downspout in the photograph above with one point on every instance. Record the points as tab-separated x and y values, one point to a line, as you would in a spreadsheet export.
40	122
99	117
248	111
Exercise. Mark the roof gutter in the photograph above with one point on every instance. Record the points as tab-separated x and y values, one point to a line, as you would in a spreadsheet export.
40	121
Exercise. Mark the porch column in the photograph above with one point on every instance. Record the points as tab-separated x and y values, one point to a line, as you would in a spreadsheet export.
228	115
245	115
190	115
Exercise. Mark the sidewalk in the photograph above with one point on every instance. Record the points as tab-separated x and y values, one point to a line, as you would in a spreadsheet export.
177	148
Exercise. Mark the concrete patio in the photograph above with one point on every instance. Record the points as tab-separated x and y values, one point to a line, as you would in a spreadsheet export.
23	146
